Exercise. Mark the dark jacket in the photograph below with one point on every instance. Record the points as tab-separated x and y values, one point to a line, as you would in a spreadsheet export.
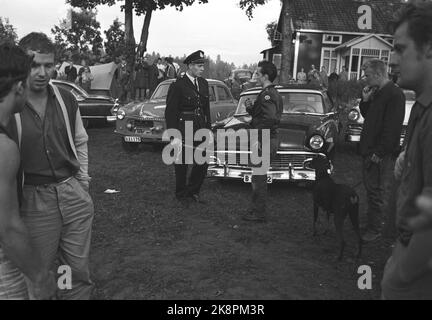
153	77
384	115
267	110
71	73
183	98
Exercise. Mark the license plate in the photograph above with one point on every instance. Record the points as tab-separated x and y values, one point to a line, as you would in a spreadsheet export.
133	139
248	179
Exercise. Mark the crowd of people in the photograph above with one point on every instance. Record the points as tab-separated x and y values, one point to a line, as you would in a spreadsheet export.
46	211
321	78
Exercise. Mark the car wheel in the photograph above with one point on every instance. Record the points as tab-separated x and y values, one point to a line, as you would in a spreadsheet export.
130	146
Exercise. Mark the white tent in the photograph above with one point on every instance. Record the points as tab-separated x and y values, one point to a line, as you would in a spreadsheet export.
104	78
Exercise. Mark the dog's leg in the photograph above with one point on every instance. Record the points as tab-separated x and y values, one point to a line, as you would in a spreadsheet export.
354	217
339	222
315	219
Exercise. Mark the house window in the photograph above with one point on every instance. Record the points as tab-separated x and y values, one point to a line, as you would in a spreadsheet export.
277	36
332	39
277	60
329	59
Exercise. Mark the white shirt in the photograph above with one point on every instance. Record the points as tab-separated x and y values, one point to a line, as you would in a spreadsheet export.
192	79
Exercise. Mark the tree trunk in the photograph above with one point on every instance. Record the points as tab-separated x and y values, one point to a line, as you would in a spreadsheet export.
287	45
129	35
145	33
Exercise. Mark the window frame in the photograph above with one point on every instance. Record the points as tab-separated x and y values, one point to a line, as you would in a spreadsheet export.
324	41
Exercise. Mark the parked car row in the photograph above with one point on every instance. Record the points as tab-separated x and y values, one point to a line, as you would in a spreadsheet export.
144	122
309	127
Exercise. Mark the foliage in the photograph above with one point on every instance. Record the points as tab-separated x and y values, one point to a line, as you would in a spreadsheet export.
81	37
7	31
115	40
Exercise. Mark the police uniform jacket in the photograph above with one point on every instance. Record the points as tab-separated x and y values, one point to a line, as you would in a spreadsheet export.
186	103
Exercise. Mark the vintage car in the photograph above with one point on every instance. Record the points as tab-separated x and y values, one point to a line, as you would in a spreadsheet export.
355	119
308	129
93	108
144	122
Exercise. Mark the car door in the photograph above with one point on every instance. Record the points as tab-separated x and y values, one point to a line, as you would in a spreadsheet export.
225	104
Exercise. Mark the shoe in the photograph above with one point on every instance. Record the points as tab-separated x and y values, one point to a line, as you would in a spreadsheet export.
371	236
252	217
197	199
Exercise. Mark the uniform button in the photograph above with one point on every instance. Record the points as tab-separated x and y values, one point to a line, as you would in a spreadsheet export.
48	152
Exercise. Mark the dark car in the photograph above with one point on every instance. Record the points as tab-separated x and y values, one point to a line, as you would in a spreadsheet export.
308	129
93	108
144	122
355	122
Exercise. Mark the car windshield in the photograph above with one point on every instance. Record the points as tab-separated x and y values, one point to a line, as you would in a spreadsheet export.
161	92
243	74
78	92
293	103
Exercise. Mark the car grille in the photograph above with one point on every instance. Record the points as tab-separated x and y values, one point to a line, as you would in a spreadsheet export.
141	126
280	161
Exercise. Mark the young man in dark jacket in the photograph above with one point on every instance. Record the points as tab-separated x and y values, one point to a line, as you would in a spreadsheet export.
266	113
383	107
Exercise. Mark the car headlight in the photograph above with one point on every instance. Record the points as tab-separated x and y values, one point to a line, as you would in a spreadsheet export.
121	114
354	115
316	142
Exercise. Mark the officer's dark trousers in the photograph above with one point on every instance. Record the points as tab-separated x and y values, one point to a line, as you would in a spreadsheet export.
259	185
377	180
185	188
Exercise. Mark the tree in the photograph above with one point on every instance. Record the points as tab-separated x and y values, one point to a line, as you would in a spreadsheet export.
140	7
7	31
287	46
271	29
115	40
81	36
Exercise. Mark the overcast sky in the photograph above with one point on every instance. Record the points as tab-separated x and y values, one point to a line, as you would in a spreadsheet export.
219	27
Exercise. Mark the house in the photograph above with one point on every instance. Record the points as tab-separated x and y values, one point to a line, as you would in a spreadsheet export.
326	33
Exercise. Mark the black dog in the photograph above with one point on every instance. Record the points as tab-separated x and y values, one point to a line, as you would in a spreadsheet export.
341	200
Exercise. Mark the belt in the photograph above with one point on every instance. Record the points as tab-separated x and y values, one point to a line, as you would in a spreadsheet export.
56	183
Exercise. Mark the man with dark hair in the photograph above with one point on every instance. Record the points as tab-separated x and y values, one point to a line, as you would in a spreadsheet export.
17	253
188	102
383	108
57	207
408	274
266	113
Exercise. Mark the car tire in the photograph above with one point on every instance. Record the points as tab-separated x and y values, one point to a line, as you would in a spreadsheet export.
129	146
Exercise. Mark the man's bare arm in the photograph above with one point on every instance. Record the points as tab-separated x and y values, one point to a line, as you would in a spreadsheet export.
14	237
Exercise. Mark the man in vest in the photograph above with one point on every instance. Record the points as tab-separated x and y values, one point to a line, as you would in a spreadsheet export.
17	254
57	208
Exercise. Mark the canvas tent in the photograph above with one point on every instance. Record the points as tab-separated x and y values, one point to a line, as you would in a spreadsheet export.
104	81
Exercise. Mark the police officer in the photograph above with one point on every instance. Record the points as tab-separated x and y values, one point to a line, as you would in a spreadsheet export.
266	113
188	103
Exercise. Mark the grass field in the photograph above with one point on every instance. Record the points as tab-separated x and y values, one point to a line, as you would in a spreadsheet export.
145	246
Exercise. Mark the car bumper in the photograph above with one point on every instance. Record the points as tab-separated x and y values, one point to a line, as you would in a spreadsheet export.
296	173
291	174
111	118
352	138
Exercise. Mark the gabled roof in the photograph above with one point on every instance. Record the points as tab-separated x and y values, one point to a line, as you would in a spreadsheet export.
341	15
358	40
